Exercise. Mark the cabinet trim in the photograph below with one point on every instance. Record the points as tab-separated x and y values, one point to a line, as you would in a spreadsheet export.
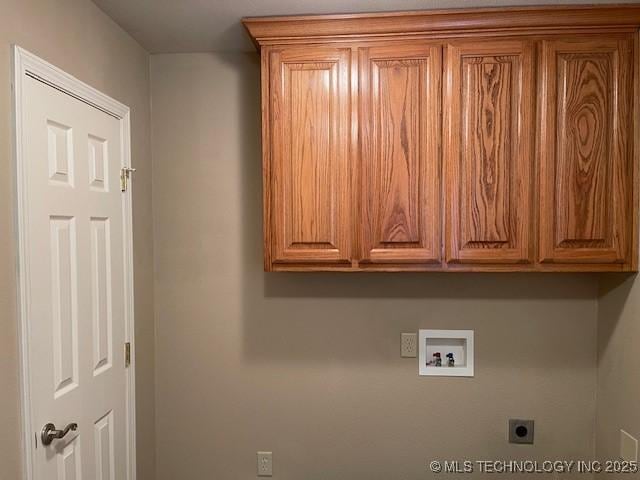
512	20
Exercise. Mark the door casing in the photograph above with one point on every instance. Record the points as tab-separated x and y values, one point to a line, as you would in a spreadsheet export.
27	64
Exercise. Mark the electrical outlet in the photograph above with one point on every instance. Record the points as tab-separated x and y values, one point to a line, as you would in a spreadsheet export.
265	464
628	447
409	345
521	431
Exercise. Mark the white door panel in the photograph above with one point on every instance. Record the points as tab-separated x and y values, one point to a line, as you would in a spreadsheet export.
76	259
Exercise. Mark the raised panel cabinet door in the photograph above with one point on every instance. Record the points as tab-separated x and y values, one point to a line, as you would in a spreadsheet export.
399	154
586	171
308	167
488	155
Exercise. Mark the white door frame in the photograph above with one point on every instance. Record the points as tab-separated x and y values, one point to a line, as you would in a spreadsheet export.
27	64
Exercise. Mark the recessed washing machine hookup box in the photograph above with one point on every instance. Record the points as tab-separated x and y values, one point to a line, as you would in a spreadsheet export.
446	353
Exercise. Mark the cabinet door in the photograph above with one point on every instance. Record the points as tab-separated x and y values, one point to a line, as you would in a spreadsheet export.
308	194
489	152
586	173
400	164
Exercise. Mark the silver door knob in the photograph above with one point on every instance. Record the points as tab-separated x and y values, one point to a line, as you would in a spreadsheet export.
49	432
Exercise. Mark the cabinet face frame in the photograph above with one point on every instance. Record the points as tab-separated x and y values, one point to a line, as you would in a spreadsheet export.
489	170
308	160
399	154
608	171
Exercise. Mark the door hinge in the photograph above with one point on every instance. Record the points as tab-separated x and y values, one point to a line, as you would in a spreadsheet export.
125	176
127	354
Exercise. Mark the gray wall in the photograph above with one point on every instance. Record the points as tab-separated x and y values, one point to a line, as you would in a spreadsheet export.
618	364
77	37
307	365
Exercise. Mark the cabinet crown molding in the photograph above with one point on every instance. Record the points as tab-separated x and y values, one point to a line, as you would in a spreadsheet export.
435	23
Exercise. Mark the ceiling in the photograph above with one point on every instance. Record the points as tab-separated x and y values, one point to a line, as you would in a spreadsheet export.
172	26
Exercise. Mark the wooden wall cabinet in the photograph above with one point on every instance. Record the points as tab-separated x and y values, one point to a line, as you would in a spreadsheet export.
399	193
489	152
458	140
586	161
310	166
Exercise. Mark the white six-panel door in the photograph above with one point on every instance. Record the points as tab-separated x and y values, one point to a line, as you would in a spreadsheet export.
75	256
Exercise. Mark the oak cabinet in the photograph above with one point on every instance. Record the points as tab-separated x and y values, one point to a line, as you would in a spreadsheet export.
489	151
586	175
399	153
471	140
309	172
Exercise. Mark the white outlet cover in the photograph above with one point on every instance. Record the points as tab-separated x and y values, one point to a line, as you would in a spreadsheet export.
628	447
409	345
265	464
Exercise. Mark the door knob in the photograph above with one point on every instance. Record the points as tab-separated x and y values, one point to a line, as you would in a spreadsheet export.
49	432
